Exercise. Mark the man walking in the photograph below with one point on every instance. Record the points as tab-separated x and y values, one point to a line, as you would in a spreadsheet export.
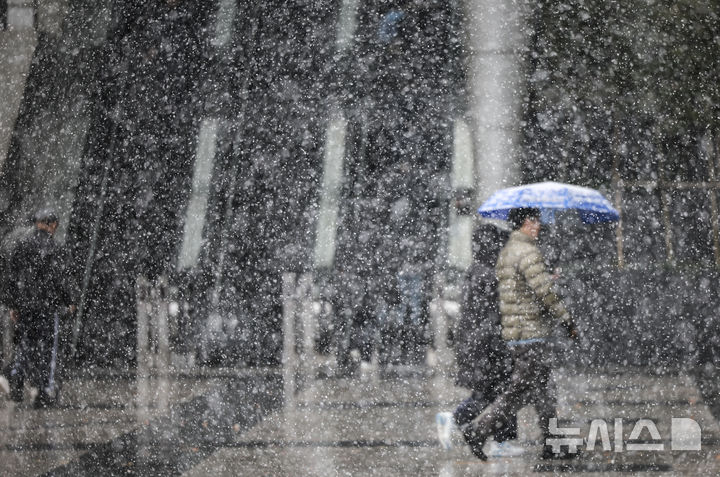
528	305
39	292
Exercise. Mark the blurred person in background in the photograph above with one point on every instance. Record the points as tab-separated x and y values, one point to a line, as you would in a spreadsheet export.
38	292
483	360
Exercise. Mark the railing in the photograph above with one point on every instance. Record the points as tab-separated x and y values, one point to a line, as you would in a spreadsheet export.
301	362
153	345
157	360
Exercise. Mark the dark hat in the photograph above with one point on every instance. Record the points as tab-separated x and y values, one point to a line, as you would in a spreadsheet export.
45	216
517	216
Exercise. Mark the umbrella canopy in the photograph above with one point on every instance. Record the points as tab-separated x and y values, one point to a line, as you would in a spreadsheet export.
592	207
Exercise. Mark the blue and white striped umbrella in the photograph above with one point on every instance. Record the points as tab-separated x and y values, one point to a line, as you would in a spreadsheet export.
592	207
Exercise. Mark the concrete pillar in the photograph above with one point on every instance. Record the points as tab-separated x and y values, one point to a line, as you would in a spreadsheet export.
290	358
224	23
197	206
332	178
16	51
335	135
463	172
347	24
496	87
161	330
144	310
20	14
144	386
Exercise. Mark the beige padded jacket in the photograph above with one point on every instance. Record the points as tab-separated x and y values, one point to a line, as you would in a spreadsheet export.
526	291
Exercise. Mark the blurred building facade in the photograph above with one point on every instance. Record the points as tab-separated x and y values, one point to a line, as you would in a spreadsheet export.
225	143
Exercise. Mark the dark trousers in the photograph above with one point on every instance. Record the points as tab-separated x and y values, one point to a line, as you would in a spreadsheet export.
473	406
35	361
529	384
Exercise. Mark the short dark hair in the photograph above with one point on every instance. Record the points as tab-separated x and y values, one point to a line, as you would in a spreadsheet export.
45	216
488	240
517	216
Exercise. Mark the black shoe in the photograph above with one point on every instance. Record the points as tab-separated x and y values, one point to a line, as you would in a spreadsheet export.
45	400
475	442
564	454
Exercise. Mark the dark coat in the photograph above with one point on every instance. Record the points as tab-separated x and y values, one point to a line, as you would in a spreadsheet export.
7	248
38	282
482	357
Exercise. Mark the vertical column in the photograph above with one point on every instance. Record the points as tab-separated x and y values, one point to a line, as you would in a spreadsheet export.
495	85
332	177
289	353
304	328
460	239
334	148
461	223
162	334
347	24
20	14
143	393
142	396
17	45
197	206
153	348
224	22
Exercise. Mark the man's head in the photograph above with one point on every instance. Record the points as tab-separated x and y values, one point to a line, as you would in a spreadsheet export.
46	219
525	219
488	240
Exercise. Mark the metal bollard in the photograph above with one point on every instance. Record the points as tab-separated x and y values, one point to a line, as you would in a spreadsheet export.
289	353
142	294
161	359
142	391
441	322
153	346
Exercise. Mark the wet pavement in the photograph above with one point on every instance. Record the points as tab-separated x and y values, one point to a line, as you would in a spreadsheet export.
227	422
101	427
